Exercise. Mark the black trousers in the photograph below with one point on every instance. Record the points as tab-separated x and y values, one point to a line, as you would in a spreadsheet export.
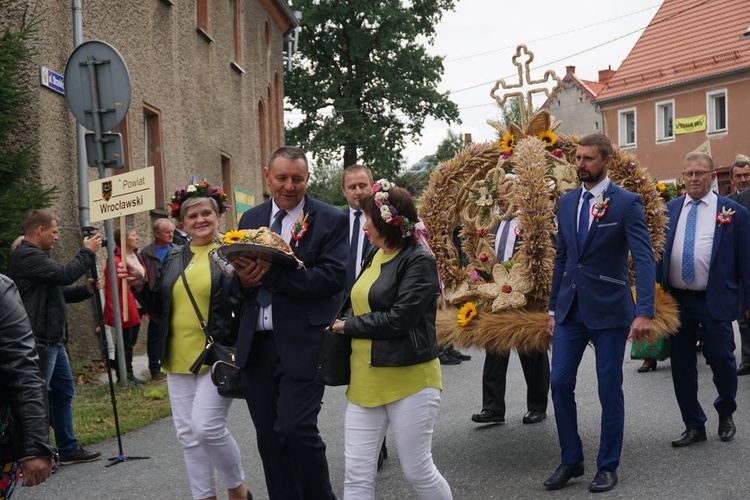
129	339
285	414
535	371
154	346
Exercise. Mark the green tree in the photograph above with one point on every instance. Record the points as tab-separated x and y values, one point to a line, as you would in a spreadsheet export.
325	184
511	112
416	177
364	80
19	192
447	149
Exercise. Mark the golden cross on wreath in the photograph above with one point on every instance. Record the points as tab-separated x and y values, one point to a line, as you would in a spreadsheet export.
522	60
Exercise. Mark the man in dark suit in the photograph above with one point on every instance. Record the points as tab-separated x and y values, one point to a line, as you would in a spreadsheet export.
535	365
705	267
591	301
356	184
281	327
739	176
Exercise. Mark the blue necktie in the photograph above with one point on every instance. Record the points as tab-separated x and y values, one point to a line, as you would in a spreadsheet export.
351	270
688	247
583	220
265	296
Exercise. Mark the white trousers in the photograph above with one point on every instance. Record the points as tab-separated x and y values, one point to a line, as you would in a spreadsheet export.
200	419
412	420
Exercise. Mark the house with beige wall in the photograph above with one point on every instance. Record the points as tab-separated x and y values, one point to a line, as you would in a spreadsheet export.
572	103
685	85
207	99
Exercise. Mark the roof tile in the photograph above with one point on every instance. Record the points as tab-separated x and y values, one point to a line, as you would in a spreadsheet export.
686	40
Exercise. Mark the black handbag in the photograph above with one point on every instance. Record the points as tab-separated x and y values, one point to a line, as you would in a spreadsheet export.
334	366
227	377
334	358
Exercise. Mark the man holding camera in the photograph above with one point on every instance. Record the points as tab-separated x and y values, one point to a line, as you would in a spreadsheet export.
45	287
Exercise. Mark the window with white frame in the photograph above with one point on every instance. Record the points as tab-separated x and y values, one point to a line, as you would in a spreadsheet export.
627	130
664	121
716	104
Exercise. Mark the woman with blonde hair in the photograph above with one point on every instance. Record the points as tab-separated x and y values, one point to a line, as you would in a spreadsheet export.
188	275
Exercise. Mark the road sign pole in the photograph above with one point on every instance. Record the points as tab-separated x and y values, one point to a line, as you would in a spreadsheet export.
96	111
99	102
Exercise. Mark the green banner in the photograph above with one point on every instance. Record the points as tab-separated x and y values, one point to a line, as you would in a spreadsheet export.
689	124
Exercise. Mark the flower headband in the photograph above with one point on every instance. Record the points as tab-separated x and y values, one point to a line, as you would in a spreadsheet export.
198	190
388	212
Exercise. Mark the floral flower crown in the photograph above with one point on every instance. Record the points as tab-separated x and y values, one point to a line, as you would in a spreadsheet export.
198	190
388	212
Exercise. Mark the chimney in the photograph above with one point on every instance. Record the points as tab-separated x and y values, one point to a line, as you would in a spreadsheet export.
467	139
605	75
570	70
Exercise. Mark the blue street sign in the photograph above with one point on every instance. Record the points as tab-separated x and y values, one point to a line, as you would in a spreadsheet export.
51	80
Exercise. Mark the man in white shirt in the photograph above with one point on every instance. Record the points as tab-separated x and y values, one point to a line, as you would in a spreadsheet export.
535	365
704	262
356	185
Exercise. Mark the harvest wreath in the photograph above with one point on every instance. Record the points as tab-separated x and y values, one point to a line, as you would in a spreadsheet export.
503	306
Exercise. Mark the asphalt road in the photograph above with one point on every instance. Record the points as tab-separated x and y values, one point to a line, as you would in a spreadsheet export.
508	461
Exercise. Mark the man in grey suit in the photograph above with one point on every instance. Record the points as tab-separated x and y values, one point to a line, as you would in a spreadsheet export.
739	176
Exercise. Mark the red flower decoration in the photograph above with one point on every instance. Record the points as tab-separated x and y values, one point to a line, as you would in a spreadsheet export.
483	257
725	216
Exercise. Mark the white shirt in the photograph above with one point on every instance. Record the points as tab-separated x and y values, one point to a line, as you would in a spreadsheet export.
265	317
705	226
596	191
507	252
360	237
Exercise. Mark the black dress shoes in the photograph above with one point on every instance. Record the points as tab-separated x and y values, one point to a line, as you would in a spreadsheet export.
458	355
603	481
488	417
744	369
726	428
691	436
534	417
446	359
563	474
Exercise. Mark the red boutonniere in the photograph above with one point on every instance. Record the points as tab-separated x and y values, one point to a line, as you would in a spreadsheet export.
725	216
300	228
517	231
600	207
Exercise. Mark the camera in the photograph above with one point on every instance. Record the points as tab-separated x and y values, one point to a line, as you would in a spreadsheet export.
90	231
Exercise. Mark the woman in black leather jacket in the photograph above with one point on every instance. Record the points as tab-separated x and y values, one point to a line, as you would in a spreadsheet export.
395	373
198	411
24	438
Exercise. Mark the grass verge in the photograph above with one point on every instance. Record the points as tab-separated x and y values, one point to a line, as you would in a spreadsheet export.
137	406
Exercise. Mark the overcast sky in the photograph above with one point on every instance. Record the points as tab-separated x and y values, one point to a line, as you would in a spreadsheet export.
479	38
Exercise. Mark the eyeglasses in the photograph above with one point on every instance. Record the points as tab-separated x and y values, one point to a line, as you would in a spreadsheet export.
695	173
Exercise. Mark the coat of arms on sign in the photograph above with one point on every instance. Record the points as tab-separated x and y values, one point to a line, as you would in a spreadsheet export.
107	190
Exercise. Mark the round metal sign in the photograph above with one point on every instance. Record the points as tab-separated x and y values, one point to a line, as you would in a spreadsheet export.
112	81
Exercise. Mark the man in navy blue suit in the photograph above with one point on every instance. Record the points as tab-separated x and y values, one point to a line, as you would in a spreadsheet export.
281	327
705	262
356	185
591	301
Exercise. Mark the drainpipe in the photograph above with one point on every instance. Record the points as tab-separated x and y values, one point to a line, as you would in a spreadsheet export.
83	182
